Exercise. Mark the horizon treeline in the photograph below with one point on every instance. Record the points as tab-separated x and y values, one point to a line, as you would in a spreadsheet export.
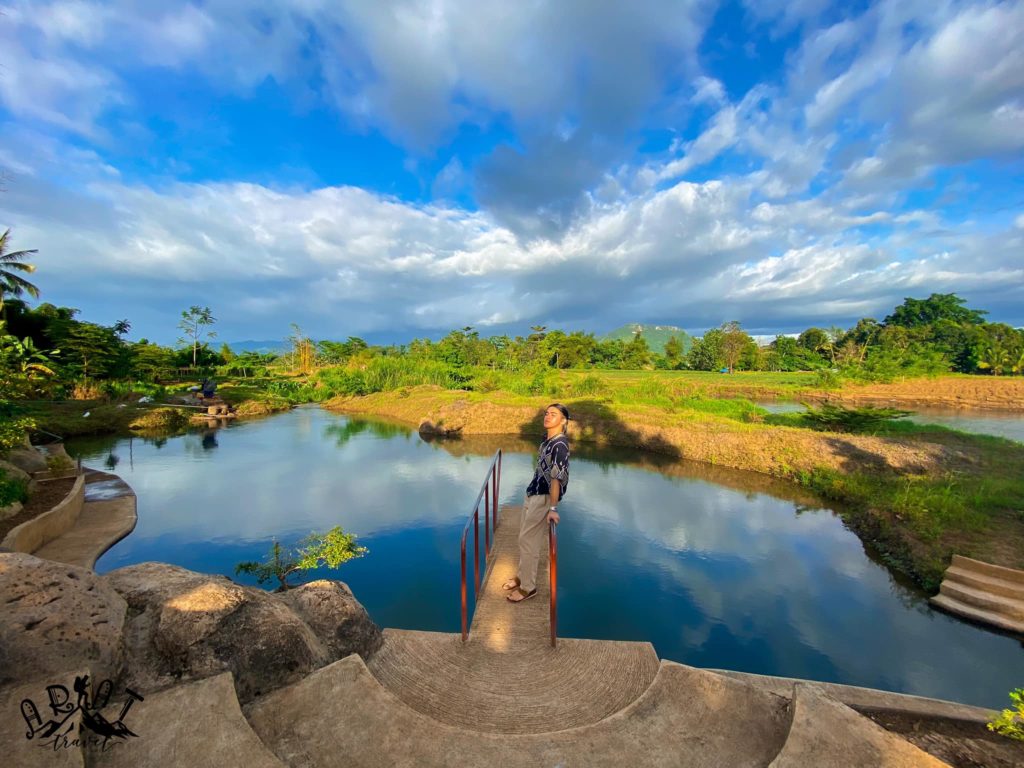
47	350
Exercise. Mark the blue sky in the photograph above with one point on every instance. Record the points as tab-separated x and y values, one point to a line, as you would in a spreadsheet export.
398	169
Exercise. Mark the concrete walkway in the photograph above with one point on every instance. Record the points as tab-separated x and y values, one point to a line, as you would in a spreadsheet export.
108	515
507	678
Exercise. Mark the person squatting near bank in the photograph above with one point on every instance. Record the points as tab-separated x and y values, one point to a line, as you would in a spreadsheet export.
548	487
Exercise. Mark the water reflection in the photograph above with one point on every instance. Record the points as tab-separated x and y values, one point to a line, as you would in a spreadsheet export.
715	567
1008	424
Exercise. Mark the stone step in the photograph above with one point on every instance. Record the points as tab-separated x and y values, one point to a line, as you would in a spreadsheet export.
987	569
947	603
62	748
827	734
687	718
979	581
1005	606
198	724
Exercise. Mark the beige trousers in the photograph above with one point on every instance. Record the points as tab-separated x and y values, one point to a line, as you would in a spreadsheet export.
532	530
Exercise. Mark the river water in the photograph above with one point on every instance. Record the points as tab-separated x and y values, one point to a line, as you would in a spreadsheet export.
716	568
1008	424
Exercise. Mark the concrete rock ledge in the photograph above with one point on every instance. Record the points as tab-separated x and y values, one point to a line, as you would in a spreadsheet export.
44	528
154	626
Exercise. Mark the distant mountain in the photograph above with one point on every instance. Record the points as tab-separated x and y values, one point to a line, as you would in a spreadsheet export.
656	336
275	346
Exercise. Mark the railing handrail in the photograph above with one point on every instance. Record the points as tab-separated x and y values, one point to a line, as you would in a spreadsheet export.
553	578
492	479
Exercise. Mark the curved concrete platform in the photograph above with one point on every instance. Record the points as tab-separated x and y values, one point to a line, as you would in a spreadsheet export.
687	718
535	691
199	725
827	734
109	513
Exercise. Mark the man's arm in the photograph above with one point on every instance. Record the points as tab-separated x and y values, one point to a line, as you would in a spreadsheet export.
554	494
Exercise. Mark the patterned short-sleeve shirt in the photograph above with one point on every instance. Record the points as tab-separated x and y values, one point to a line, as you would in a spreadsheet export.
552	463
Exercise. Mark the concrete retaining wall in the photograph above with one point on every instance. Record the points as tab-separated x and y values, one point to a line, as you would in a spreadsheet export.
35	533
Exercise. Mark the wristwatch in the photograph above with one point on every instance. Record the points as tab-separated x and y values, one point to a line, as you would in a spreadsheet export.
552	509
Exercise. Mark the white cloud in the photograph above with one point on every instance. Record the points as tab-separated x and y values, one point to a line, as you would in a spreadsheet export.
344	260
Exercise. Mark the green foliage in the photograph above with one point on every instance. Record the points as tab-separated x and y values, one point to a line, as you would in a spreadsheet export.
193	321
12	489
317	550
706	354
165	419
12	262
13	431
1010	722
915	313
839	418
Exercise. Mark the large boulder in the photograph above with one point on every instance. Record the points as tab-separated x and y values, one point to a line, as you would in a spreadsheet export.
28	459
187	626
338	619
56	618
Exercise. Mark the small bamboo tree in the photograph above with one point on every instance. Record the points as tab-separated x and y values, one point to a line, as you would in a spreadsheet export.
329	549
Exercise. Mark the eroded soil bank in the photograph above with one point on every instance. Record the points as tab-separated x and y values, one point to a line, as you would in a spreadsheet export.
1002	393
802	455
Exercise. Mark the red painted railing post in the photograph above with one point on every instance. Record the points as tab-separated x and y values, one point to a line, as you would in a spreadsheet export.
465	609
476	551
490	494
553	570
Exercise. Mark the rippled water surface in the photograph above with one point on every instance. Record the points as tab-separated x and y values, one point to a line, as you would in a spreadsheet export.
715	568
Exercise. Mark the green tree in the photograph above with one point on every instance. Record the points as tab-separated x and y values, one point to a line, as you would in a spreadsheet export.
330	549
673	353
913	313
636	354
151	361
11	263
706	352
736	344
193	321
818	341
91	349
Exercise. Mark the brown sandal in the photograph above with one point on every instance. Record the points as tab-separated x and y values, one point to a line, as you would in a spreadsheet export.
514	581
523	595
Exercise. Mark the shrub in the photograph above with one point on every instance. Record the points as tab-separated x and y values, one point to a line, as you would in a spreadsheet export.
838	418
330	549
13	431
160	418
12	490
1010	722
262	407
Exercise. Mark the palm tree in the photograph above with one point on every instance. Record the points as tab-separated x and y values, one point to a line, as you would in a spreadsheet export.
10	264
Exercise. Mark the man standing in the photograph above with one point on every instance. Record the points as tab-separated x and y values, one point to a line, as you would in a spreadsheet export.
549	484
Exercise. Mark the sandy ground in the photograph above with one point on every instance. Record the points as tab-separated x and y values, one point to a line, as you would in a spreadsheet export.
1005	393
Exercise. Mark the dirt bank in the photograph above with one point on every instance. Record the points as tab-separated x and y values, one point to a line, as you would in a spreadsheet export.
1002	393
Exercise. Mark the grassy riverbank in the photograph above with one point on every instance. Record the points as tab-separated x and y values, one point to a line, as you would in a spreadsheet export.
918	494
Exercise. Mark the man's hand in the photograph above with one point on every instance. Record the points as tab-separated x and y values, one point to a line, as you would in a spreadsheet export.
552	517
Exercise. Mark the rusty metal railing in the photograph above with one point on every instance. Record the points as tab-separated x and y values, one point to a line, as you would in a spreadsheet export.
489	495
553	578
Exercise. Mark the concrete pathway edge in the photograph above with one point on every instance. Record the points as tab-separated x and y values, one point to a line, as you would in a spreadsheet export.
867	699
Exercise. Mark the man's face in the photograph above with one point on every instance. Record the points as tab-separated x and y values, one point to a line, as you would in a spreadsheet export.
553	418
